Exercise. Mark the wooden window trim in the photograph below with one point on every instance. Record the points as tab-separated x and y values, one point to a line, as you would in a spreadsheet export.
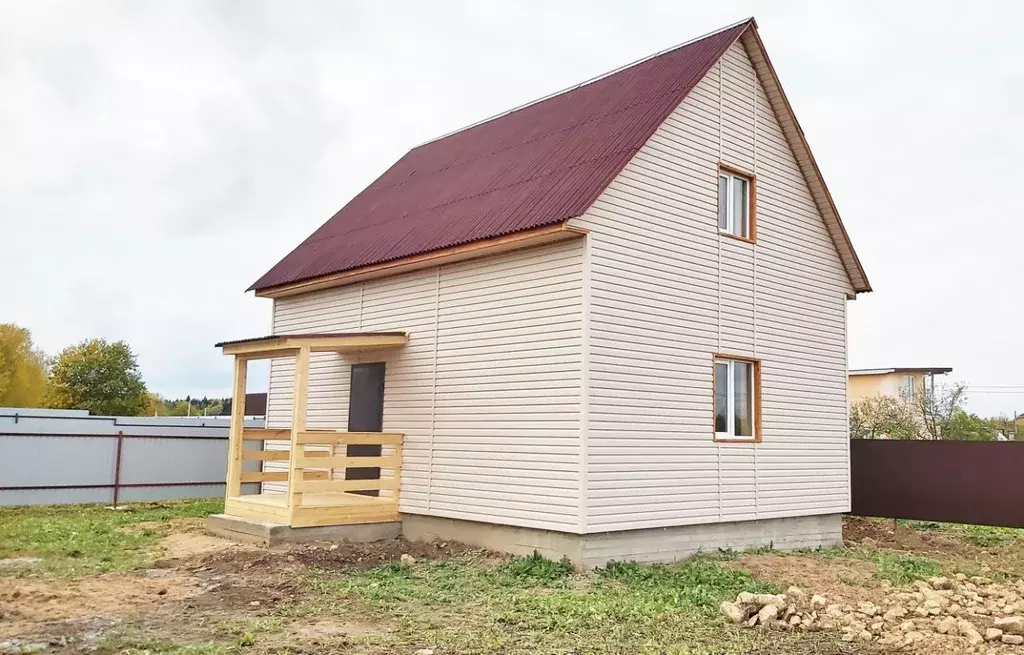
757	398
752	200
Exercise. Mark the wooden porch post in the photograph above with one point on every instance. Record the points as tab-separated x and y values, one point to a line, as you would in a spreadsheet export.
300	391
234	481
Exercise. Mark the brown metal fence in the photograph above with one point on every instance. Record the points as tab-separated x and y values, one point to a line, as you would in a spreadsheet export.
955	481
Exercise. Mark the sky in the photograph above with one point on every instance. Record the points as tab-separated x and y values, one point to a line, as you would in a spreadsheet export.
157	157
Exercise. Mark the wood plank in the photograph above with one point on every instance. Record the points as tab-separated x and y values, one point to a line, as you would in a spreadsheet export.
265	476
327	486
345	515
266	455
285	345
237	426
515	241
264	434
355	438
300	391
268	513
340	462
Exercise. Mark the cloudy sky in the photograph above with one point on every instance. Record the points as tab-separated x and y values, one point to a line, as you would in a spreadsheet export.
157	157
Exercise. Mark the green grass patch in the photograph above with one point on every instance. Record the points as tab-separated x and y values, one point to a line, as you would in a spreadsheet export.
534	605
535	570
903	569
983	536
73	540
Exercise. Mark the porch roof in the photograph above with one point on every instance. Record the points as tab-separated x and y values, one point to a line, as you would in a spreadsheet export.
279	345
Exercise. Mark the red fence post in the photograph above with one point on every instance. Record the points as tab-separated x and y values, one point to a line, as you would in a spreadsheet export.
117	467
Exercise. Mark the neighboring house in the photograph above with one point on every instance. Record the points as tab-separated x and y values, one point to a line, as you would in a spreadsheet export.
902	383
607	324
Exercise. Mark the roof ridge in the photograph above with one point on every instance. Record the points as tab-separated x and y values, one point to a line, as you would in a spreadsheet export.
589	81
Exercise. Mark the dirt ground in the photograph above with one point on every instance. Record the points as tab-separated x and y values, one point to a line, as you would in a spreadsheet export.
200	584
201	589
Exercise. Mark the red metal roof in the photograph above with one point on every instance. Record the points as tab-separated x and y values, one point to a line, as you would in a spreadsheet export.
538	165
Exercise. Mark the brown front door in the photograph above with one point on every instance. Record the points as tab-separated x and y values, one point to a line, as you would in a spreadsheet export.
365	414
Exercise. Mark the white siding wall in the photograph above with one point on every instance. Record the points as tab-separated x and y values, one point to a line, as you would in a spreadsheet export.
666	292
493	435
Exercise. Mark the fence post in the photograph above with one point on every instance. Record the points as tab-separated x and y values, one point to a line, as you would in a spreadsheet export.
117	466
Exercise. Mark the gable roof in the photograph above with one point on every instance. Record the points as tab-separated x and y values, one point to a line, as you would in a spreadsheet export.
535	166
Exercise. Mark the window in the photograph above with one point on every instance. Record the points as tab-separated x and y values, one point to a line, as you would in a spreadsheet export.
737	399
735	203
908	387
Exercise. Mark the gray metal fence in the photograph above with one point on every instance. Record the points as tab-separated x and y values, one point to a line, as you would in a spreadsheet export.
67	456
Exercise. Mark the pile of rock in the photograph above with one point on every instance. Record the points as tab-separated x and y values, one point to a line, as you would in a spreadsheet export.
975	611
789	610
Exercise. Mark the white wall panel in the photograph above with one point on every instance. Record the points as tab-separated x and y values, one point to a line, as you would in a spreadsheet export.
667	292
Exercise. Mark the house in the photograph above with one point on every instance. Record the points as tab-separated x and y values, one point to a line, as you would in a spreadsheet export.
902	383
608	324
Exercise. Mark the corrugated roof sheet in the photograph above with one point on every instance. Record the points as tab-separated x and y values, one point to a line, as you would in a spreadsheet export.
538	165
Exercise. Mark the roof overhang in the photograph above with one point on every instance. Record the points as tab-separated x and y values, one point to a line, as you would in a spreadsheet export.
284	345
525	239
794	134
927	370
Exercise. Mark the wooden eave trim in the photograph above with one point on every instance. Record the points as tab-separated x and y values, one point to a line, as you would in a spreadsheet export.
284	345
757	398
794	134
525	239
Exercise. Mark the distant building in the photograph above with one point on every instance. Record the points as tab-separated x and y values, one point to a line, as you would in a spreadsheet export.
255	406
903	383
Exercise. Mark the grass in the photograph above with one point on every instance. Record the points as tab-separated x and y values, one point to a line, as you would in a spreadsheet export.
983	536
896	567
534	605
901	569
76	540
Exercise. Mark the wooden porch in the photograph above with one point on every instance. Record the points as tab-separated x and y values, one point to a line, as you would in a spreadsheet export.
305	464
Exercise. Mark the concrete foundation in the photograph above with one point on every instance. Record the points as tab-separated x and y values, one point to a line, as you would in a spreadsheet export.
270	534
646	545
502	538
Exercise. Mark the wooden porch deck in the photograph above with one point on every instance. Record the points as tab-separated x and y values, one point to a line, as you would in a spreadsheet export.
316	509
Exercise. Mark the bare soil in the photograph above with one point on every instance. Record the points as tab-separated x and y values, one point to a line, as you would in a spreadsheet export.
952	551
205	589
199	581
840	580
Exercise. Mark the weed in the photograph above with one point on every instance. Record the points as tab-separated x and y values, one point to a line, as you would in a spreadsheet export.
534	569
531	604
903	569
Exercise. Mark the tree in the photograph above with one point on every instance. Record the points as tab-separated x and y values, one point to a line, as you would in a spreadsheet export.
100	376
155	405
968	427
883	417
22	368
939	409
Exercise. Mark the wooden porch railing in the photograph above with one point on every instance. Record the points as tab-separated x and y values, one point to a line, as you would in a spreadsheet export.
304	463
315	470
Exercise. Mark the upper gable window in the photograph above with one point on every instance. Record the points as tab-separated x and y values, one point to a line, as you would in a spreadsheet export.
735	203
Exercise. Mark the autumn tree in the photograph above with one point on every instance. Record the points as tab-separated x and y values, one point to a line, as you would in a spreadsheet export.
155	405
100	376
22	368
884	417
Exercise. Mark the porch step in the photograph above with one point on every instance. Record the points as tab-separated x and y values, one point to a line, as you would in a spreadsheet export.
270	534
